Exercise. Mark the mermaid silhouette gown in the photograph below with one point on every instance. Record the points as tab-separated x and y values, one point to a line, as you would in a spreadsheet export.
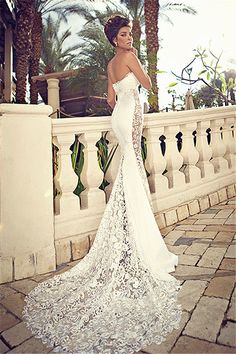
120	297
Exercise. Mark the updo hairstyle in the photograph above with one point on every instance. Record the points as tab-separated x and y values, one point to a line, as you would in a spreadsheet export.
113	25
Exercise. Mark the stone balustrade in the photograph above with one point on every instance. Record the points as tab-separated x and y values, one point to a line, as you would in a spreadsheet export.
191	161
193	168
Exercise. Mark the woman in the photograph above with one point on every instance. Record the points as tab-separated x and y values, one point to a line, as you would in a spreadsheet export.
120	297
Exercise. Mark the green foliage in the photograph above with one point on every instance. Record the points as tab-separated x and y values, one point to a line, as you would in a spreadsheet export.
220	84
77	160
104	158
54	56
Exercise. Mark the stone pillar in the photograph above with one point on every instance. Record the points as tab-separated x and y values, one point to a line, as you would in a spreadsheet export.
26	192
91	176
8	65
218	147
155	162
205	151
190	154
174	159
230	142
53	95
66	179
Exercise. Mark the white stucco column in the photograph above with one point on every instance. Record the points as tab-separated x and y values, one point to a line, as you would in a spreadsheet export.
26	192
53	95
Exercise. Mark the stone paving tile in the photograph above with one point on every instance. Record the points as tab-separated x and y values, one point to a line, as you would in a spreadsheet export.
177	249
166	230
203	216
231	252
231	221
173	236
5	291
220	228
3	347
210	221
206	318
187	221
222	207
14	303
41	277
191	272
188	259
221	285
228	334
225	213
231	313
17	334
31	346
224	236
190	293
211	210
190	227
189	345
201	234
212	257
7	319
196	248
24	286
166	346
228	263
185	241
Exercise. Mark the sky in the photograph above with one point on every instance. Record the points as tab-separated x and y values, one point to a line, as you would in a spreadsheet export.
212	28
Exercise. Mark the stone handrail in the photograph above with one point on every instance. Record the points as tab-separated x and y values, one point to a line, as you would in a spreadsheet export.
176	177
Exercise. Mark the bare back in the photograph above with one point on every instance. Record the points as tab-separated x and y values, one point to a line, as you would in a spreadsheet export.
117	67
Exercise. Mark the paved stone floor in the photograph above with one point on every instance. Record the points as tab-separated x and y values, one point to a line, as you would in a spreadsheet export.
206	245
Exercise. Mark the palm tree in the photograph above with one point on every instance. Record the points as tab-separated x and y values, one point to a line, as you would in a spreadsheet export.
153	10
94	55
151	13
141	12
30	14
53	55
24	24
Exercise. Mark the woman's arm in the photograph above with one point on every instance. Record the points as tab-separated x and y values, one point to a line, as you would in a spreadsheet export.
111	95
134	65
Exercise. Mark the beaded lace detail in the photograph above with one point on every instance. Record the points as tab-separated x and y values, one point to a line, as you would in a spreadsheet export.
136	138
109	303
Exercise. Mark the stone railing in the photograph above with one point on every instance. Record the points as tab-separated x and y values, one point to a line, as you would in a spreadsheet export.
202	163
186	175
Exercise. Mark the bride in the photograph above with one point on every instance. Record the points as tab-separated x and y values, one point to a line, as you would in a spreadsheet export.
120	297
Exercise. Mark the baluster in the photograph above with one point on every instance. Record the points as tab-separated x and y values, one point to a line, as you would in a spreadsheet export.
113	167
174	160
190	154
230	142
218	147
155	162
65	179
204	149
91	176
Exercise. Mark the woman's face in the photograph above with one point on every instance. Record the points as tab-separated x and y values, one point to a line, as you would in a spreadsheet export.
124	38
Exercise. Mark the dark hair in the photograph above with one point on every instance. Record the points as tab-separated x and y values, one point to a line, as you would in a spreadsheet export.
113	25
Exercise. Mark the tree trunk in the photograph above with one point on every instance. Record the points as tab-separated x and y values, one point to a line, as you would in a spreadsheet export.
35	55
24	24
136	30
151	13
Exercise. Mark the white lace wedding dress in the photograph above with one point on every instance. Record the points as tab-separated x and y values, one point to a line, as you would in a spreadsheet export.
120	297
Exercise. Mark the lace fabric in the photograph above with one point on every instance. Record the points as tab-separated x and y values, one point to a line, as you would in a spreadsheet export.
111	302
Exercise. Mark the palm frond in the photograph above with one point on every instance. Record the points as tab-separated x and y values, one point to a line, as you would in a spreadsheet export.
172	6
